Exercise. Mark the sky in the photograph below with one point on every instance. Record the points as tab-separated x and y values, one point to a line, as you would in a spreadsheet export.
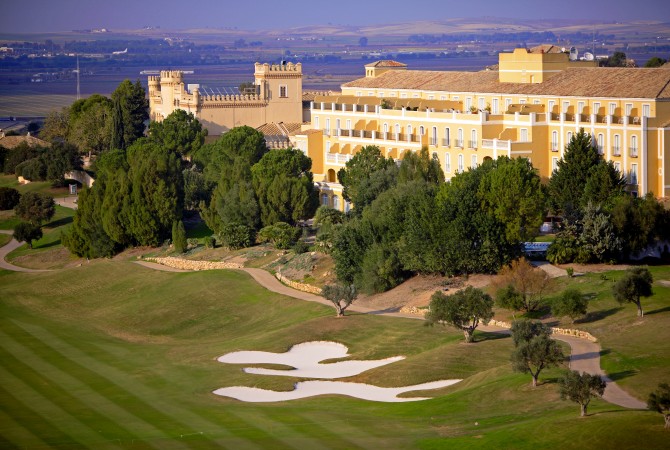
66	15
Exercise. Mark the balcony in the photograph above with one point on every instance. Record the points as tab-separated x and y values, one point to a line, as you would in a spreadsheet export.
472	144
616	151
433	141
458	143
446	143
633	152
337	159
554	146
491	144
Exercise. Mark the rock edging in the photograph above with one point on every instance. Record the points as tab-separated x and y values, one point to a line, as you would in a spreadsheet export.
187	264
554	330
298	286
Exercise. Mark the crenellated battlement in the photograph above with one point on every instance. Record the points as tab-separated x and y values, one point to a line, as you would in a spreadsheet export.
231	98
288	67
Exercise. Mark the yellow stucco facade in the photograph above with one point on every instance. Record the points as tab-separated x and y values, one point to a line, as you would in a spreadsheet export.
277	97
464	118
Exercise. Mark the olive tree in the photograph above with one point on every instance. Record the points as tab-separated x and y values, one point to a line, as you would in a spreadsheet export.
659	401
341	296
581	387
635	283
465	310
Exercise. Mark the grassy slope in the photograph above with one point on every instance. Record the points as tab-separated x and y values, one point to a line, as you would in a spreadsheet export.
111	353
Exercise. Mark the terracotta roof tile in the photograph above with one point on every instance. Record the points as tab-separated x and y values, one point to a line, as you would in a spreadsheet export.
577	82
386	63
10	142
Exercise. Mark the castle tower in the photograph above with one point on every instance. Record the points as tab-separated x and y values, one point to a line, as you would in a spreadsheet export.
280	85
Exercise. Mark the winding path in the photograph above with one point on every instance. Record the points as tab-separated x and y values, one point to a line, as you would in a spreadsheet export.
584	354
9	247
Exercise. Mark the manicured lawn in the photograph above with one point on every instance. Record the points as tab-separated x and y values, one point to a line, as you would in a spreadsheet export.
111	354
35	186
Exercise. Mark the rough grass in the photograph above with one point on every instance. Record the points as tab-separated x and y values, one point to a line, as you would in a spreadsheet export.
112	354
35	186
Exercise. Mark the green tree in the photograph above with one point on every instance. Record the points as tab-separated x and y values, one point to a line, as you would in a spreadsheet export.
655	61
180	132
59	159
27	232
604	184
235	236
635	283
581	388
571	303
178	236
598	241
366	175
90	127
512	193
659	401
538	353
130	109
20	153
56	126
35	207
284	187
525	330
420	166
567	183
328	220
281	234
618	59
639	222
349	247
465	310
340	295
9	198
509	298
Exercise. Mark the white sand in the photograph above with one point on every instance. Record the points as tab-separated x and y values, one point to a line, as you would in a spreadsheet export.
305	359
313	388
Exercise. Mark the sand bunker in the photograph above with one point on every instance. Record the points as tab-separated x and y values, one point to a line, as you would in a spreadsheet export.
306	360
313	388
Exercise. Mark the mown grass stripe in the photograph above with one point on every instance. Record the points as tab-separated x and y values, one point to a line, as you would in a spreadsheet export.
49	411
324	429
15	433
279	431
128	384
24	361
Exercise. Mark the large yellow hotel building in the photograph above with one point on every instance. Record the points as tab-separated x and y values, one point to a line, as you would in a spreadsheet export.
530	107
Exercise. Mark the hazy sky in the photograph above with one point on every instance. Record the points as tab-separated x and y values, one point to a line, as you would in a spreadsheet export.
65	15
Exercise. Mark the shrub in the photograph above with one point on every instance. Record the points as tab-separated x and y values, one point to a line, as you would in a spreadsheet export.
210	242
9	198
281	234
301	247
571	303
235	236
178	236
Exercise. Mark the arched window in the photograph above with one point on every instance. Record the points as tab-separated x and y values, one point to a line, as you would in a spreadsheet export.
473	139
422	130
336	202
447	163
554	141
600	143
460	163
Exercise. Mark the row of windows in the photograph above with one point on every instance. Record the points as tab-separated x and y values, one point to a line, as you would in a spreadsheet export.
460	160
494	105
600	143
632	174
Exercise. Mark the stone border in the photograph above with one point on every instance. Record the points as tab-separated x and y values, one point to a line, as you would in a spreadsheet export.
187	264
554	330
298	286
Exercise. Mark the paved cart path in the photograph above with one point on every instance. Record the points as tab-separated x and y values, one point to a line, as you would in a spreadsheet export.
9	247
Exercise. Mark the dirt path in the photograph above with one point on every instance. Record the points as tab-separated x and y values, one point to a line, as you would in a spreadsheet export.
9	247
584	354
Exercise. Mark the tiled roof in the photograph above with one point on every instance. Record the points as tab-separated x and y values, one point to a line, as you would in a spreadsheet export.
308	96
546	48
386	63
280	129
13	141
577	82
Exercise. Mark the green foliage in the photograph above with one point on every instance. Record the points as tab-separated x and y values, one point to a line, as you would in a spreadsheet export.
536	354
56	126
284	187
604	184
300	247
509	298
235	236
179	236
580	388
567	183
523	331
639	222
635	283
237	205
659	401
282	235
465	310
366	175
513	195
340	295
35	207
90	124
129	112
655	61
571	303
210	242
380	270
180	132
27	232
570	272
196	188
326	215
618	59
420	166
20	153
349	247
598	241
9	198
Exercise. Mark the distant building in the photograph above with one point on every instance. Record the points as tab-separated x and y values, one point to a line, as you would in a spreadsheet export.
275	98
529	107
10	142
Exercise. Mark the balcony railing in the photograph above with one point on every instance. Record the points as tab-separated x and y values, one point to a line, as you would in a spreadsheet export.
458	143
633	152
337	158
472	144
616	151
433	141
554	146
446	142
496	144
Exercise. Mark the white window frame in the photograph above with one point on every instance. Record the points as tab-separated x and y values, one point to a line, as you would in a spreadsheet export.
554	163
283	91
473	161
629	109
523	135
494	106
554	141
612	108
646	110
460	163
447	162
